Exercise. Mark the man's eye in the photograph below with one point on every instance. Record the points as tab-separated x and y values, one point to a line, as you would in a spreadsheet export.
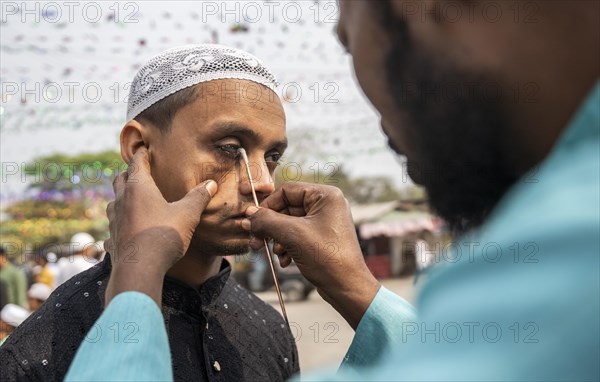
273	158
230	148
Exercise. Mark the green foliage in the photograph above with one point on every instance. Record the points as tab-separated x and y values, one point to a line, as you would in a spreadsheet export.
40	231
49	209
372	190
61	172
72	194
357	190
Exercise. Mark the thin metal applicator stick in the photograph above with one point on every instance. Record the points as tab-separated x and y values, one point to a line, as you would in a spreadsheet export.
244	156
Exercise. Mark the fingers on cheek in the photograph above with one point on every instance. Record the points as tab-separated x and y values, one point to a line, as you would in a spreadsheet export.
256	243
108	245
256	230
285	260
245	224
278	248
110	216
119	182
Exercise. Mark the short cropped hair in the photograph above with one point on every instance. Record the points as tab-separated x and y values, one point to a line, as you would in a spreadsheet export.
162	112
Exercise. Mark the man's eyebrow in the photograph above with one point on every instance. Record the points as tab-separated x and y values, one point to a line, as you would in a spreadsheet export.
236	128
281	145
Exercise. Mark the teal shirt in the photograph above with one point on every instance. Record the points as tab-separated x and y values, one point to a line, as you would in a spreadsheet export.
127	343
517	300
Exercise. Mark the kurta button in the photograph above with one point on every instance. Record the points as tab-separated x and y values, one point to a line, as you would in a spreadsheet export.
217	366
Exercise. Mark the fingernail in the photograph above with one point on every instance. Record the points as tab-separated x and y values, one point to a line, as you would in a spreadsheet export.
251	210
255	243
246	224
211	186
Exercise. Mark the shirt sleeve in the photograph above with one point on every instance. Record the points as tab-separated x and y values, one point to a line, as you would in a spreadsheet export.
376	335
131	341
494	319
378	330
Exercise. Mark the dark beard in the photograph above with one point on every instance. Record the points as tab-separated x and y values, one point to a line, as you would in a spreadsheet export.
460	157
218	249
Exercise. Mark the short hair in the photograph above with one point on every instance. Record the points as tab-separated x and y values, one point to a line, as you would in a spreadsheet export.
162	112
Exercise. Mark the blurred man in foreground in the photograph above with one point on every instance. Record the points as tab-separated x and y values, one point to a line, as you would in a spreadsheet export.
517	296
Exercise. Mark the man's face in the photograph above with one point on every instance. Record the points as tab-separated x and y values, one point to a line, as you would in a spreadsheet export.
415	73
34	303
5	329
202	144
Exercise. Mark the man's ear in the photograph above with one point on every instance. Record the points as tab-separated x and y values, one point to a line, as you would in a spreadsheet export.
133	136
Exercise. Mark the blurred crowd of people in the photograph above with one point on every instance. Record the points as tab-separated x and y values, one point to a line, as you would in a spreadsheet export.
25	287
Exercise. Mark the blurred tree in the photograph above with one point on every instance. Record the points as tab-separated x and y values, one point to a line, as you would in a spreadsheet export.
357	190
414	193
372	190
61	172
68	194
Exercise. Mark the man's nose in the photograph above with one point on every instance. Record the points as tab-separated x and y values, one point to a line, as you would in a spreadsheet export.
261	178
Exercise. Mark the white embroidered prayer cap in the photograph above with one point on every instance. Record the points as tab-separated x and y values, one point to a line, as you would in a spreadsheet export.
81	241
13	314
39	291
185	66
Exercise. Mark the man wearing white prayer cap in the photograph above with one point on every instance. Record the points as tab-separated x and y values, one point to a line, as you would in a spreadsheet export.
11	316
189	111
37	294
83	247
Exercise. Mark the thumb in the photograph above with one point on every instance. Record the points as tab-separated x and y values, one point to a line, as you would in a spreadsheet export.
195	201
268	223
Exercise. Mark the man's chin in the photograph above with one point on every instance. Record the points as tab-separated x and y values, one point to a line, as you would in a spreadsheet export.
233	246
415	172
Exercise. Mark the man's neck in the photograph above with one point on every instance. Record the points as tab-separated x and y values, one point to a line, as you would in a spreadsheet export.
195	268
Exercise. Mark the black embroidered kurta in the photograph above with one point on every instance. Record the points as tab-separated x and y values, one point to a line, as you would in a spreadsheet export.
221	333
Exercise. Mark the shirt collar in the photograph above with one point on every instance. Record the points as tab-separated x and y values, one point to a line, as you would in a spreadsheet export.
179	296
